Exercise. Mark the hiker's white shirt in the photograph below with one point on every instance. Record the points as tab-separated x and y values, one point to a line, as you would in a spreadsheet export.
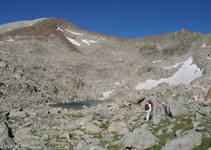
148	112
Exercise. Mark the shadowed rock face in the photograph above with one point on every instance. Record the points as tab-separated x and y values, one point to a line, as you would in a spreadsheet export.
42	31
208	96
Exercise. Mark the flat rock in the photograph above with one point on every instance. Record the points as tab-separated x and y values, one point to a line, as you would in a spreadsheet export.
186	142
140	138
137	98
92	128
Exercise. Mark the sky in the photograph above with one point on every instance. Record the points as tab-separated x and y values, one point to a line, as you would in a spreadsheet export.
122	18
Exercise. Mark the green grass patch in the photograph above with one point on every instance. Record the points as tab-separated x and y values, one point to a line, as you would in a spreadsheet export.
103	143
114	147
104	126
205	144
184	123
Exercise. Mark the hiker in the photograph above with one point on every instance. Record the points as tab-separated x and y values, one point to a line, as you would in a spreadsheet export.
148	109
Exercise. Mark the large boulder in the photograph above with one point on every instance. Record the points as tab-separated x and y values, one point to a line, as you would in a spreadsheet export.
26	137
92	128
208	96
5	141
18	114
118	128
140	138
186	142
137	98
178	109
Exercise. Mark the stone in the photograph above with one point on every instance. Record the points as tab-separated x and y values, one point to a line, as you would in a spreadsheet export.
91	139
67	135
81	146
18	114
170	129
26	137
78	133
140	138
117	128
156	119
178	133
205	110
92	128
160	132
178	109
208	96
137	98
2	64
188	141
5	140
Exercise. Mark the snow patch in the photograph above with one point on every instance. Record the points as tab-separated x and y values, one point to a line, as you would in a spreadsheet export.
106	95
156	61
73	41
187	73
88	41
118	84
10	40
204	45
75	33
58	28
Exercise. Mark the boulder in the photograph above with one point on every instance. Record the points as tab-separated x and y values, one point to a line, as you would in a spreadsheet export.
92	128
137	98
178	109
118	128
205	110
18	114
26	137
157	118
81	146
2	64
5	141
186	142
208	96
140	138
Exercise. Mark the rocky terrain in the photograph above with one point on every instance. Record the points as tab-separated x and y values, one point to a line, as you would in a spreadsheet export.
50	61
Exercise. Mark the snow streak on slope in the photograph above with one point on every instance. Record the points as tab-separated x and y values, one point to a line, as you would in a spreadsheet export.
187	73
73	41
58	28
156	61
75	33
89	41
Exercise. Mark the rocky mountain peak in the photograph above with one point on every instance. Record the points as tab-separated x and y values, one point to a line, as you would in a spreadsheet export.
41	31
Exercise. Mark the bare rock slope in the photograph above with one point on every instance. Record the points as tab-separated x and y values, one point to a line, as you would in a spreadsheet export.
49	61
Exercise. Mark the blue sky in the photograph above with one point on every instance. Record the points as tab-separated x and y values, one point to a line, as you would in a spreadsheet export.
122	18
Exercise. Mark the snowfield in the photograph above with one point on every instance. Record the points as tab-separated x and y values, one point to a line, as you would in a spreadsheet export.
73	41
187	73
